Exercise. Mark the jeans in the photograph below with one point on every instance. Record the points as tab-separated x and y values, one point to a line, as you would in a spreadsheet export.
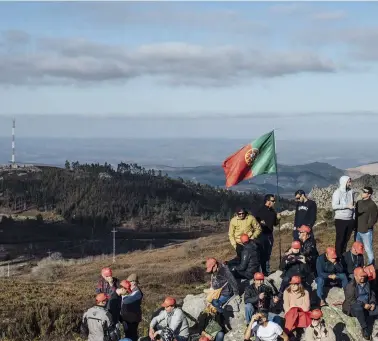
219	303
219	336
344	230
295	235
132	331
321	282
367	240
250	310
361	314
266	248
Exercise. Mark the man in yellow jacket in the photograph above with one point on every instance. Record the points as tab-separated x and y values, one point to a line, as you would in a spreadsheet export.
243	222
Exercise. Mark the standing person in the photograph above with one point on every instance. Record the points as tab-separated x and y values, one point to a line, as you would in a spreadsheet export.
242	223
107	284
366	217
115	301
131	311
97	323
267	218
305	212
343	206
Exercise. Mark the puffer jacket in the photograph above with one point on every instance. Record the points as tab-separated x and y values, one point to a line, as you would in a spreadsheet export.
250	260
309	250
176	320
248	225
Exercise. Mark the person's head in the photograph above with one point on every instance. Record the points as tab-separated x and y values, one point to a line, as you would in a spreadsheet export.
296	285
316	317
241	213
133	279
357	248
360	275
296	247
107	274
211	265
169	304
367	192
244	238
345	182
101	299
269	200
331	254
263	318
124	288
300	195
258	279
304	232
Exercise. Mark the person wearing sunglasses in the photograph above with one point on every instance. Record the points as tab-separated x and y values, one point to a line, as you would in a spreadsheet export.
318	330
305	212
366	217
242	223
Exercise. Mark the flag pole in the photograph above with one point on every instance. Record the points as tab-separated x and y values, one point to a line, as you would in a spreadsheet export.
278	195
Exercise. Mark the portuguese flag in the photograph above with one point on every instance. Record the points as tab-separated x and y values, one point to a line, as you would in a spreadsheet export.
257	157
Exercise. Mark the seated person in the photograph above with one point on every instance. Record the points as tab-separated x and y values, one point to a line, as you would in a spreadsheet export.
263	329
171	317
249	260
318	330
258	296
308	247
360	300
296	302
223	279
211	324
293	264
329	270
354	258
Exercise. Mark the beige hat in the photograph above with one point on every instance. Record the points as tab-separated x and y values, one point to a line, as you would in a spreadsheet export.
133	278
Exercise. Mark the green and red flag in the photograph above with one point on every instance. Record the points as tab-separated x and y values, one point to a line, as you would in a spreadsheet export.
257	157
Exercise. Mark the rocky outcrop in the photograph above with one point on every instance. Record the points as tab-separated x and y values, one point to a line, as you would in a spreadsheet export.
345	327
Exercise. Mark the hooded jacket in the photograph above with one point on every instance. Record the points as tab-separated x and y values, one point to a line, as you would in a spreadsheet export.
341	199
97	321
248	225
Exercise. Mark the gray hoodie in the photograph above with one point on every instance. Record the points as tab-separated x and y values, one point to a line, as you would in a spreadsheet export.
99	321
176	320
341	199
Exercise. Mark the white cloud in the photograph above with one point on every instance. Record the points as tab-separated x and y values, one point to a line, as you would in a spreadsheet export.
330	15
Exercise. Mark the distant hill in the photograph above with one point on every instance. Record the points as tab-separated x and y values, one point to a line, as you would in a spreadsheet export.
370	168
291	178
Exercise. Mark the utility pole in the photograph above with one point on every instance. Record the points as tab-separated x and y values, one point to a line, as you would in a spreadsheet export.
8	269
49	253
114	245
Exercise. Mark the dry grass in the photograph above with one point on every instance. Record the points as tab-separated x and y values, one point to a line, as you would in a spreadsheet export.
51	308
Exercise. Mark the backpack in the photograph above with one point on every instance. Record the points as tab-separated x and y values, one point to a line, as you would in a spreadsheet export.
213	328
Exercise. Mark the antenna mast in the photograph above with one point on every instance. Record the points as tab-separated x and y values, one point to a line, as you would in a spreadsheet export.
13	144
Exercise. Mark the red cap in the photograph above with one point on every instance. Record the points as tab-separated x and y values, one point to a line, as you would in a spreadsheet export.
126	285
101	298
168	302
296	280
210	263
259	276
331	252
296	245
360	272
106	272
244	238
316	314
304	228
359	247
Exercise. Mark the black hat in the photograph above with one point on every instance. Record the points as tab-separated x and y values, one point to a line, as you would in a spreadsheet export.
368	189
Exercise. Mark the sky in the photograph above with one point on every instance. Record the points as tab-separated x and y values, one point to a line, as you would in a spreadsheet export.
189	69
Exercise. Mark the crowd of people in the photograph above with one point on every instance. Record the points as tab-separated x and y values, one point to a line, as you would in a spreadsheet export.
118	303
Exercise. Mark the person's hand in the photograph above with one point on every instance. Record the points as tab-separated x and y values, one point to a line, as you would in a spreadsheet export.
262	296
333	276
279	216
372	306
262	222
302	259
151	334
351	207
367	306
255	317
276	299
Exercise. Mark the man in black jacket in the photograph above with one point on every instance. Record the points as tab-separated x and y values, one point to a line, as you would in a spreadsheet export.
258	296
267	218
293	264
221	277
352	259
250	259
115	300
360	300
305	212
308	247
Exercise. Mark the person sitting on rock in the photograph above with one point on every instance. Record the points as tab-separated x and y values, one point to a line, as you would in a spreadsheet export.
249	261
211	324
258	296
242	223
318	330
296	302
171	317
308	247
354	258
263	329
293	264
223	280
360	301
329	271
